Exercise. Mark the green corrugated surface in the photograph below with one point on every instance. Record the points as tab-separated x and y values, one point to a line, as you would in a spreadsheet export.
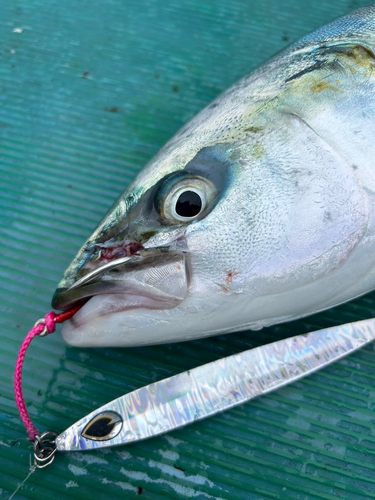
89	91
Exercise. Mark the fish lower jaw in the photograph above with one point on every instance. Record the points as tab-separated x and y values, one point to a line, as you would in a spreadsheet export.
103	309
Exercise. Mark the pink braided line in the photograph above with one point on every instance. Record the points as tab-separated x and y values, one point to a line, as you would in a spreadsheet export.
49	322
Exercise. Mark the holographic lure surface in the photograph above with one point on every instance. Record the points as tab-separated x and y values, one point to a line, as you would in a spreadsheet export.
209	389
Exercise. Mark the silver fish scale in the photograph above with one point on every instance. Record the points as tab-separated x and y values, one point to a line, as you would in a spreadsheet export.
222	384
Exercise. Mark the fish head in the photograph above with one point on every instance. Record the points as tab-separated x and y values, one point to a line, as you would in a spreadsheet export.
256	212
139	262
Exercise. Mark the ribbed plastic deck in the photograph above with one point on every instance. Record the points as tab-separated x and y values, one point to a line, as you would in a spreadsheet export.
89	91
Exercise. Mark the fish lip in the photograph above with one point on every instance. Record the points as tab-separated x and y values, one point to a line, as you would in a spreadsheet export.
138	302
79	292
98	281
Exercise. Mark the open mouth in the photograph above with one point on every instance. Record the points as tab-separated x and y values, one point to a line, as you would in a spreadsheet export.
155	278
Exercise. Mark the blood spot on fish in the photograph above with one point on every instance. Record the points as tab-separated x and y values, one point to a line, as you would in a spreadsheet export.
228	282
321	86
112	253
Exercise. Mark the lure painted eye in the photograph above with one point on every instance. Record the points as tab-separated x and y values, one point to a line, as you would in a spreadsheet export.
103	427
185	200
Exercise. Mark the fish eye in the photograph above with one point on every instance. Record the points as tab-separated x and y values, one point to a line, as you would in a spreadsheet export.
185	200
189	204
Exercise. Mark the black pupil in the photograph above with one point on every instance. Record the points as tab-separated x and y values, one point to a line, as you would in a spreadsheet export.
100	428
189	204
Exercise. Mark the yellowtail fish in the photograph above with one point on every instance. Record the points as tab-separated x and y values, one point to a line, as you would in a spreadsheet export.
259	211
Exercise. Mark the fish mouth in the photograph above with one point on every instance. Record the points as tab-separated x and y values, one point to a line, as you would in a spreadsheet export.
159	277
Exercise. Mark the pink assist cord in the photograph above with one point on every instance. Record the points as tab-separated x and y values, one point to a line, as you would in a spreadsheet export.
41	328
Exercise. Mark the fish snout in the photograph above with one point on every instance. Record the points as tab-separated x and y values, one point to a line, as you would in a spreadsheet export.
158	274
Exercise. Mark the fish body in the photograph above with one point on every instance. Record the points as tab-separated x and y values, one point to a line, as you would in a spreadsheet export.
259	211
